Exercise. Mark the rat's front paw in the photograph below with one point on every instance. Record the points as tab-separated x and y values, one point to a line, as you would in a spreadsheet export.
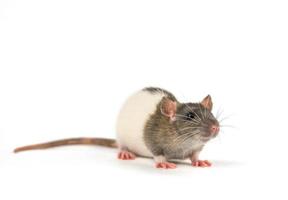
165	165
201	163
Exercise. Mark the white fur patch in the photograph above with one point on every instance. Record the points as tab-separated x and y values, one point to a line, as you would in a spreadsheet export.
160	159
132	119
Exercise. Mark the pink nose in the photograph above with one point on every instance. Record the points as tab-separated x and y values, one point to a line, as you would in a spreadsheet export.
214	129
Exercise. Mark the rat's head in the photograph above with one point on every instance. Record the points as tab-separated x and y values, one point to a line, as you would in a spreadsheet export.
193	119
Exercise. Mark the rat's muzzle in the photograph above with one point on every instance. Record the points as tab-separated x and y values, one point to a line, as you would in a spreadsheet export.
214	129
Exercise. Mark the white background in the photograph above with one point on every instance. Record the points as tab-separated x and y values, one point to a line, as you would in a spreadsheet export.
67	66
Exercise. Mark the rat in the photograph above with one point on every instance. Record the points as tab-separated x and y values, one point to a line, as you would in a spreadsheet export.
153	123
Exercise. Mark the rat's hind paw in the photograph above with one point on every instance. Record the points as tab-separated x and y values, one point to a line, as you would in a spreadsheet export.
201	163
165	165
126	155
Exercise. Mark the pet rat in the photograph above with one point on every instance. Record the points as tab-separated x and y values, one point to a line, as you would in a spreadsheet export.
153	123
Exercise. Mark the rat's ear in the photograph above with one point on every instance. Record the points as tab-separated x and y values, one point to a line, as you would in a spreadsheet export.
168	108
207	102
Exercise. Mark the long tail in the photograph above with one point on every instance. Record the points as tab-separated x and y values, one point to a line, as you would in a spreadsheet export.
70	141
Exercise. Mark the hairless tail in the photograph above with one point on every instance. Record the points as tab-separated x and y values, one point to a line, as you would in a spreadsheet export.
70	141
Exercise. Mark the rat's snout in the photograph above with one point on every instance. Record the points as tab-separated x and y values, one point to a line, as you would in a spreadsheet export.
214	129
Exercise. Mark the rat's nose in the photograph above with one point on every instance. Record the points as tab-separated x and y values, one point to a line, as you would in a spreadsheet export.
214	129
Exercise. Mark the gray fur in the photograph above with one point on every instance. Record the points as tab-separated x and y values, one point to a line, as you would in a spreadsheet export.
154	90
163	137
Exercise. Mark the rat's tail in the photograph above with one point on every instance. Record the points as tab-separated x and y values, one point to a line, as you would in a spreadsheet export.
71	141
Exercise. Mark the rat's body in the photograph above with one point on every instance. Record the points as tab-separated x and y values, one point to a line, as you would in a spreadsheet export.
152	123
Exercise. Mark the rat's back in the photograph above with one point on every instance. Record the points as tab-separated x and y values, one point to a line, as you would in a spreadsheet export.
133	117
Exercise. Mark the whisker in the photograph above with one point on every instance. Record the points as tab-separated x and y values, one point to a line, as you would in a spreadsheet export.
189	128
225	118
228	126
182	138
191	133
200	110
195	120
181	115
205	113
184	116
189	136
189	122
178	139
219	113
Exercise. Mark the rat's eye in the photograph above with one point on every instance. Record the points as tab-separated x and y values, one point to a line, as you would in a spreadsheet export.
190	116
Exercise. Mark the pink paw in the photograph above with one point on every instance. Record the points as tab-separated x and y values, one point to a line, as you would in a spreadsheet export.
201	163
126	155
166	165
